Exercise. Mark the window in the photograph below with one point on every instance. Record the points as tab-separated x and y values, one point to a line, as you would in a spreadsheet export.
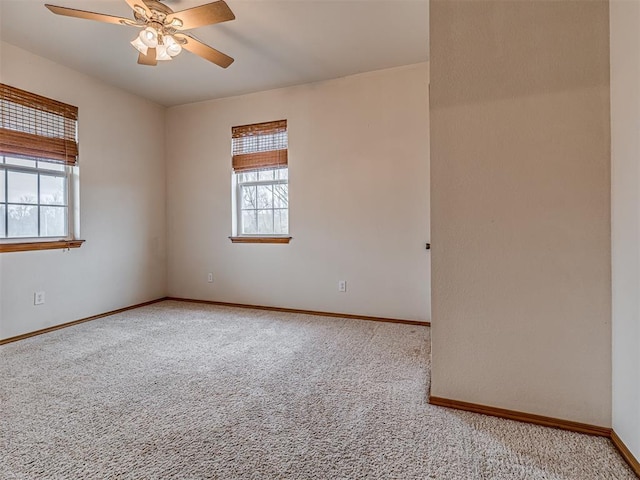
264	205
33	199
261	182
38	155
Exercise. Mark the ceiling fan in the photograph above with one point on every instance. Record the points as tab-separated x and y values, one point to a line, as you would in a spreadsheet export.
162	37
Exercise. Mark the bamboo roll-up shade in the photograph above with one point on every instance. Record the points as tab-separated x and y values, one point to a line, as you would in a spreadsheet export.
260	145
256	161
37	127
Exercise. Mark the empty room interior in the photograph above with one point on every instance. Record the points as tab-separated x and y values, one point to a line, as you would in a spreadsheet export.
318	239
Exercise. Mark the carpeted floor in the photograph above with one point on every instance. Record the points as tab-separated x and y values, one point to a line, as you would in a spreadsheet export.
190	391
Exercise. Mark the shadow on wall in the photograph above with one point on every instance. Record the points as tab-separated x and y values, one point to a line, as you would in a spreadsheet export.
490	59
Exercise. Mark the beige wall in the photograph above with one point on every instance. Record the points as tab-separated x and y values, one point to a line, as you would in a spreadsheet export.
122	205
625	191
359	176
520	206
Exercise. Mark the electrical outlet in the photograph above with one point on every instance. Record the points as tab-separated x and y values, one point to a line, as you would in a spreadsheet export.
210	278
342	285
38	298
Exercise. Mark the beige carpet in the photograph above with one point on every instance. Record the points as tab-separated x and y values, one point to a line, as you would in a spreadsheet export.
188	391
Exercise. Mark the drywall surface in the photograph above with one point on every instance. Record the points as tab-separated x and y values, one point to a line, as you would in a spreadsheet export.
122	205
520	194
625	221
359	203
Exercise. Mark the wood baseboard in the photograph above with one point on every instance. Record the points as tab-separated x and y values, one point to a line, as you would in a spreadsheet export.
522	416
306	312
76	322
626	453
209	302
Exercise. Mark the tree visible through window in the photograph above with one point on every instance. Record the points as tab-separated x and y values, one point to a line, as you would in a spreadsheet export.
264	201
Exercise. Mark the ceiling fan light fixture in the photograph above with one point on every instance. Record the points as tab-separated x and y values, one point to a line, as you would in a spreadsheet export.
139	45
161	53
176	23
149	36
173	47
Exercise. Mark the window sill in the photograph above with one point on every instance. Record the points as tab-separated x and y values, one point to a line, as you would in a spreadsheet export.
31	246
260	239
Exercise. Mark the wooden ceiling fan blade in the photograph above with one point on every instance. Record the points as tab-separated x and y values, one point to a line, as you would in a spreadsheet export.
99	17
148	59
139	6
205	51
208	14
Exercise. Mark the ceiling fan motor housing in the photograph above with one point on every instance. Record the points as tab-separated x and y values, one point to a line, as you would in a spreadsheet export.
158	19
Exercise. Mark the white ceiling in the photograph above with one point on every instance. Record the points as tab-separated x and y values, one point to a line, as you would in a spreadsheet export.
275	43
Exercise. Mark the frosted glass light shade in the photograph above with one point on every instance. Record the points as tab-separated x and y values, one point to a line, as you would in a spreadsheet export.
161	53
138	45
149	37
173	47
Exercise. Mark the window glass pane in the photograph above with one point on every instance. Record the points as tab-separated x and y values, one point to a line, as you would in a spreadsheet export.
264	207
57	167
23	187
265	174
2	184
20	162
281	222
282	174
249	222
249	197
22	221
265	221
53	221
248	176
3	230
52	190
265	196
281	196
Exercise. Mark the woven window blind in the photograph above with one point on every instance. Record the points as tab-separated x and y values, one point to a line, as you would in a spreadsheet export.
37	127
260	145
